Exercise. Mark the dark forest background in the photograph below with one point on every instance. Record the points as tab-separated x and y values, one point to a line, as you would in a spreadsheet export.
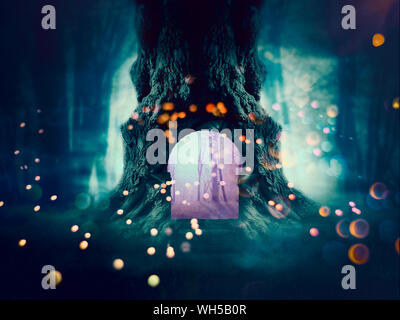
67	73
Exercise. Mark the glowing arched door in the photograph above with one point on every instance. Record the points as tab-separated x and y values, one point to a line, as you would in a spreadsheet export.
204	166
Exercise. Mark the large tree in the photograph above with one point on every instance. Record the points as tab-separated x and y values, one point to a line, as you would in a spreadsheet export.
197	53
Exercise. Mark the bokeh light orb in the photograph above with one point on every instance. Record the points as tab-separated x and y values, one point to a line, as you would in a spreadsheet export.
118	264
378	191
324	211
281	207
151	251
342	228
170	252
153	281
358	253
22	242
332	111
83	245
313	138
397	245
185	246
359	228
57	275
378	39
314	232
189	235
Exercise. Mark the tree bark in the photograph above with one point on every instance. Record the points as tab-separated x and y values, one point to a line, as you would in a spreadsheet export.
215	43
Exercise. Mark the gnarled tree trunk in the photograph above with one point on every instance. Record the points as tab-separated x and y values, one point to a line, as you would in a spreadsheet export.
200	52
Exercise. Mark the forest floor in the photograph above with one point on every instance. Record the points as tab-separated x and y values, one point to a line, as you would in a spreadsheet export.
283	265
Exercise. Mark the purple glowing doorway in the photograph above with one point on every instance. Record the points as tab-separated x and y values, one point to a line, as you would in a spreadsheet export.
204	167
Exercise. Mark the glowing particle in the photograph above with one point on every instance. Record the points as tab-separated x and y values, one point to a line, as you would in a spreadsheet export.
194	221
28	187
271	203
87	235
168	231
359	228
163	118
130	127
338	212
22	243
168	198
128	221
195	226
198	232
248	169
120	212
222	183
242	138
397	245
314	104
83	245
189	235
53	197
22	124
317	152
163	191
314	232
292	196
210	108
206	195
326	130
290	185
378	39
118	264
57	275
276	106
279	207
36	208
125	192
151	251
154	232
37	178
170	252
356	210
324	211
259	141
40	131
352	204
37	160
168	106
332	111
396	104
16	152
192	108
75	228
153	281
221	108
1	203
163	185
181	115
358	253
